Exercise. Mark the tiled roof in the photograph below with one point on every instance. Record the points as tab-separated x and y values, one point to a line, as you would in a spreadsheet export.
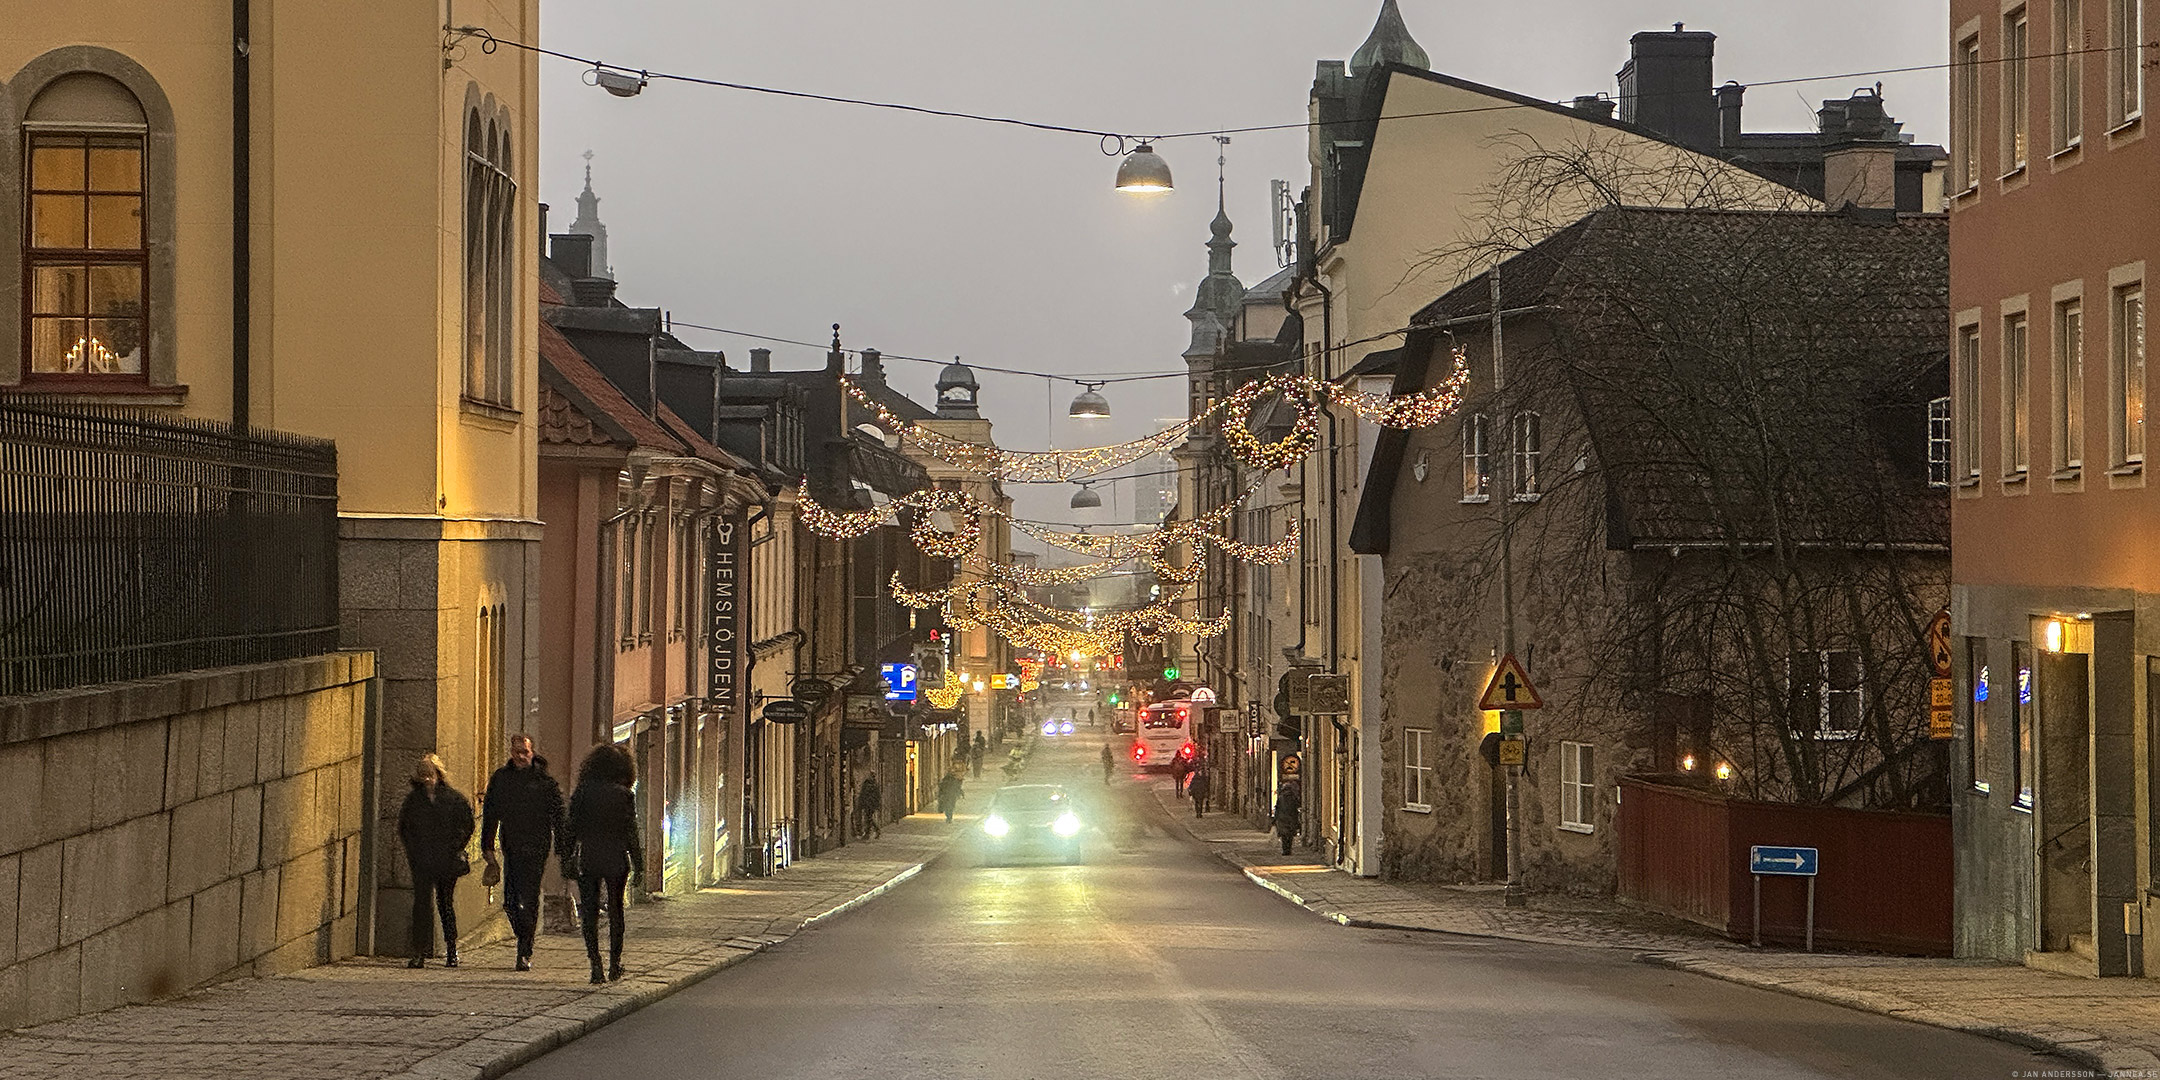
580	407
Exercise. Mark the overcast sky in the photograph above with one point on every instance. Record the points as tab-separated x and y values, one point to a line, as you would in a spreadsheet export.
934	237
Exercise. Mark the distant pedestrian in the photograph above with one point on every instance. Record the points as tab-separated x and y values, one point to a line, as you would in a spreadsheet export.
526	804
435	824
1197	787
948	795
869	799
1288	805
609	855
1109	764
976	751
1091	719
1181	769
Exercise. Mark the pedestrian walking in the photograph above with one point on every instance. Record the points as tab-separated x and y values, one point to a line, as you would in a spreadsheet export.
608	853
1288	804
976	751
1109	764
525	805
868	800
1181	769
1197	786
435	824
948	794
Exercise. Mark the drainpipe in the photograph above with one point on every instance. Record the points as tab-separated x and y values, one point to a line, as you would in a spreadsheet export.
241	241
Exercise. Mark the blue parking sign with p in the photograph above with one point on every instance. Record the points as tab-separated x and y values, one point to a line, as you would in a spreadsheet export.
899	681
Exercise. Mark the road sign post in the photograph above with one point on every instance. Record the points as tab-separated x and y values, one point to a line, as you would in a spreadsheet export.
1510	692
1765	860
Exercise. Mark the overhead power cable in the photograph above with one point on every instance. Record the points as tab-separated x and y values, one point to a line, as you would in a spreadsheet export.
490	42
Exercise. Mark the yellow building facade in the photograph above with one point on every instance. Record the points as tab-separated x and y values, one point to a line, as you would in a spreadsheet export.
375	174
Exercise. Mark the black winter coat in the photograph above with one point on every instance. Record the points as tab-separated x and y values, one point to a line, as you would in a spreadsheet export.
1287	805
435	830
604	830
526	805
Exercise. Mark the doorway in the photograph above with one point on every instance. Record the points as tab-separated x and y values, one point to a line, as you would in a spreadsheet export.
2052	741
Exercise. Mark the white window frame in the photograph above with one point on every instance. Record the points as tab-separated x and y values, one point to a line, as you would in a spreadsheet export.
2016	91
1825	693
1578	787
1477	458
1417	770
1938	442
2068	95
1526	450
2126	70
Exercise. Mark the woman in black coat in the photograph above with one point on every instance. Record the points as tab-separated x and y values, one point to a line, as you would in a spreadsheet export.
604	837
435	824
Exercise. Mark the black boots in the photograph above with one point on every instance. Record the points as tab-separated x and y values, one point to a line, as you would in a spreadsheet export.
614	970
598	976
450	956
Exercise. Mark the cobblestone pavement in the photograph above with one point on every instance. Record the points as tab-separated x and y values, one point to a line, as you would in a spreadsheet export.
2111	1026
374	1017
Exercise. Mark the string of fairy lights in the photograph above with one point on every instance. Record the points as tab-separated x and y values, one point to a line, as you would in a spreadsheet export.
948	523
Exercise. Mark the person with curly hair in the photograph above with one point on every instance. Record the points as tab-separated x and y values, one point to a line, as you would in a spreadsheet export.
605	849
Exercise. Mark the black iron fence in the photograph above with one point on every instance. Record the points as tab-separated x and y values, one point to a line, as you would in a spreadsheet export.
134	544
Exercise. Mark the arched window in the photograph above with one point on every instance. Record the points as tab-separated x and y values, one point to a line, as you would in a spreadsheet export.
490	246
86	255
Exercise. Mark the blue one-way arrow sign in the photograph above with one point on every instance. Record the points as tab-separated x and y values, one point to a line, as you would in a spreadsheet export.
1790	861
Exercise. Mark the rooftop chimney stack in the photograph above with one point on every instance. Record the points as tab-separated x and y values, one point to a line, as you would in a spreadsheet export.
572	253
873	368
1860	148
1665	85
1728	113
760	361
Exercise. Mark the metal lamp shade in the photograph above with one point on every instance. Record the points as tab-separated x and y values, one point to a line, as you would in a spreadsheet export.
1143	172
1089	406
1086	499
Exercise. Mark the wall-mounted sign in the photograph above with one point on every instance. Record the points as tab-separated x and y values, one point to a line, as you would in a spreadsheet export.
725	615
810	690
1203	696
786	711
900	681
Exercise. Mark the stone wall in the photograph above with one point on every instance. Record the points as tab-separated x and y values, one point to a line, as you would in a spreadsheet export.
162	834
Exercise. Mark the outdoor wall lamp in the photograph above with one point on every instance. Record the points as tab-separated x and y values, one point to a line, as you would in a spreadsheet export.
1724	771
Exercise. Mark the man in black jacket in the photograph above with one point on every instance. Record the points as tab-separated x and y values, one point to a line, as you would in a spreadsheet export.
527	805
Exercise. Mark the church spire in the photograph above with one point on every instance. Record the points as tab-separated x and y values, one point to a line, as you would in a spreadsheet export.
1216	301
588	224
1389	43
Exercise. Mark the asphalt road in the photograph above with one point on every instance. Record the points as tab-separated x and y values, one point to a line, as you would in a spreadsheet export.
1154	959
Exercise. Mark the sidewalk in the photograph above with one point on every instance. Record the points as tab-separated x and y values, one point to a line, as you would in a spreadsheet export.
2110	1026
373	1017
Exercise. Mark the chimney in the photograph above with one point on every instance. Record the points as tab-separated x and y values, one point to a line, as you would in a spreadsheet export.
592	291
1595	106
1728	113
1665	85
760	361
571	253
873	367
1860	145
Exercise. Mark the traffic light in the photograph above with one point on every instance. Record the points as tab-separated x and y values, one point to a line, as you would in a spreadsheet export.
1113	697
1170	672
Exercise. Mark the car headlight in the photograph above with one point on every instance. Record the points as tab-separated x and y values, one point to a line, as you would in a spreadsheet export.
1066	825
995	825
1049	727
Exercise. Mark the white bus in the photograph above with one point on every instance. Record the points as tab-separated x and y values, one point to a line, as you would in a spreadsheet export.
1166	734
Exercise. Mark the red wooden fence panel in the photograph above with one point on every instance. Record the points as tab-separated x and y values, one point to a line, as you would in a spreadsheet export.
1884	882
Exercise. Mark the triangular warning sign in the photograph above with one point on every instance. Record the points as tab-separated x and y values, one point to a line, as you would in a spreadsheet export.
1510	688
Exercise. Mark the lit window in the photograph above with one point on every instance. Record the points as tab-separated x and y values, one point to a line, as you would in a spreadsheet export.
1417	769
2126	373
2023	768
2016	118
2016	387
1977	750
1578	787
2069	389
86	262
1477	458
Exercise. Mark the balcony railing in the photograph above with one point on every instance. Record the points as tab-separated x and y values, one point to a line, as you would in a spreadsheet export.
136	544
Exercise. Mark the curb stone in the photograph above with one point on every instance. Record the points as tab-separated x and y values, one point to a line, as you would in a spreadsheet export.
2081	1048
492	1055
